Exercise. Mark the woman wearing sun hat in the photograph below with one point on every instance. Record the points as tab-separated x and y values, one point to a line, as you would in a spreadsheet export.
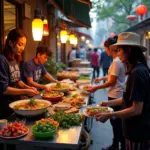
135	114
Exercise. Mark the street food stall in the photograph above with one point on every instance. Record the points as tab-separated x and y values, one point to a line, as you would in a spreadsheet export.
29	124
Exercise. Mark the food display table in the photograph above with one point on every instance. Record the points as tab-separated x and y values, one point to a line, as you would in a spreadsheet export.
65	139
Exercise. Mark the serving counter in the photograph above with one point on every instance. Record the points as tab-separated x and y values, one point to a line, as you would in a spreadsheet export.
65	139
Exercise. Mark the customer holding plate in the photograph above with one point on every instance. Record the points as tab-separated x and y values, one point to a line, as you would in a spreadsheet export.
10	82
115	83
34	69
135	101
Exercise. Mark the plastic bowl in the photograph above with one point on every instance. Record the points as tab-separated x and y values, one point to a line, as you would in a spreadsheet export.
49	134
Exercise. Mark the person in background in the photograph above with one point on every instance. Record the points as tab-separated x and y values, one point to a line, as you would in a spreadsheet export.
115	82
11	86
82	52
105	62
71	57
34	69
89	54
135	112
77	53
95	62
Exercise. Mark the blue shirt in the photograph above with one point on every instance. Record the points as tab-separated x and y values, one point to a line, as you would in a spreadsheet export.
105	60
33	70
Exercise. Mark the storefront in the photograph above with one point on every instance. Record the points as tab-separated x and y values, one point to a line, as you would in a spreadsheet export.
19	14
143	29
11	13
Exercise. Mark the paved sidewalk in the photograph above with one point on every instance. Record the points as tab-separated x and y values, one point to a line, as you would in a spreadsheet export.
101	133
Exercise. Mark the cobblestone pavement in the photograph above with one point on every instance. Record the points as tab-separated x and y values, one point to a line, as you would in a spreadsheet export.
101	133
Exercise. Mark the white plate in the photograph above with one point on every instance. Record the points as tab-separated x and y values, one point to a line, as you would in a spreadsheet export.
14	137
83	111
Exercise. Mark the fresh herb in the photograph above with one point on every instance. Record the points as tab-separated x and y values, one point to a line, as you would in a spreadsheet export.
32	102
58	85
66	120
84	78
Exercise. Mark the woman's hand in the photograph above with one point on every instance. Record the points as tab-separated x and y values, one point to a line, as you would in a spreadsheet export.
93	89
97	80
33	88
31	92
103	117
103	104
47	88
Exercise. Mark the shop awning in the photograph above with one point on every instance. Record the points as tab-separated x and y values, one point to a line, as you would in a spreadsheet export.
75	10
84	34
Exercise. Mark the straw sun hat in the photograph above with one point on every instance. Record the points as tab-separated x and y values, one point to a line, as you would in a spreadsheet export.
128	39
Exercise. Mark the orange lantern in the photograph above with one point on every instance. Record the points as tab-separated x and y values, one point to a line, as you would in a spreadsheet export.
63	36
37	26
141	10
45	28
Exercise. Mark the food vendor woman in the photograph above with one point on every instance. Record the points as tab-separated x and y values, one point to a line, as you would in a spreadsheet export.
10	83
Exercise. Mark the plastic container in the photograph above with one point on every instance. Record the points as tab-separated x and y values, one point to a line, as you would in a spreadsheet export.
49	134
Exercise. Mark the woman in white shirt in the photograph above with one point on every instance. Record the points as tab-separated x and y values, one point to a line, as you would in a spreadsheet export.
115	83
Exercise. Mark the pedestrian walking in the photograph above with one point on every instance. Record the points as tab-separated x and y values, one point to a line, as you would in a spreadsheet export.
95	63
105	62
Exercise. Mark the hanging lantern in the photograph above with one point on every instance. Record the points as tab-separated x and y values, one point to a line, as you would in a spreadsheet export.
141	10
82	38
131	17
45	28
75	40
146	37
72	38
63	36
87	41
149	35
37	26
112	34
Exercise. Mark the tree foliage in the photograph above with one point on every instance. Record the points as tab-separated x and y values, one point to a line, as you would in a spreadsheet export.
117	10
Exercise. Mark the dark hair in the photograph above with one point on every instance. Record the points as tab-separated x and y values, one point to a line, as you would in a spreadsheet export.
43	50
12	36
135	55
95	49
89	49
110	41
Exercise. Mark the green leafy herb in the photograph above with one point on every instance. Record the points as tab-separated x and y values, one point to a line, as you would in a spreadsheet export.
32	102
66	120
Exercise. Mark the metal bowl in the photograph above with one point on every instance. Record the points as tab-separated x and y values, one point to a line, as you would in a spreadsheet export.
29	113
